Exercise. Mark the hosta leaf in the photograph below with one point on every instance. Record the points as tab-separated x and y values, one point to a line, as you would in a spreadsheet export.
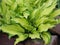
8	2
46	37
4	9
21	37
28	5
36	2
12	29
34	35
55	13
49	9
40	21
24	23
20	2
34	13
7	17
10	35
14	6
49	2
44	27
52	21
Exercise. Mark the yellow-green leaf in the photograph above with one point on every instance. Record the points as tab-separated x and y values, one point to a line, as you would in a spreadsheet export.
12	29
46	37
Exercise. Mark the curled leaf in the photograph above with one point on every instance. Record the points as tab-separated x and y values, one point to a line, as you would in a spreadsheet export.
21	37
46	37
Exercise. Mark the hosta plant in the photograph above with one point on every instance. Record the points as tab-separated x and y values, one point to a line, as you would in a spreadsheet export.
28	18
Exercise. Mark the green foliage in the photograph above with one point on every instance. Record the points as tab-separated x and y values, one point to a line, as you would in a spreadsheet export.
58	3
46	37
44	27
15	28
24	23
28	18
35	35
